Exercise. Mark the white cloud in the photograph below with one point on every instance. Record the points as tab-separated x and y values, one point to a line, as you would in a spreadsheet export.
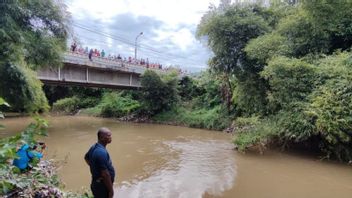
172	12
178	19
183	37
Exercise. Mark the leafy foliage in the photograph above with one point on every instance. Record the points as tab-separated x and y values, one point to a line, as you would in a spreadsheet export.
228	33
215	118
158	94
252	132
291	66
115	105
187	88
290	80
33	31
32	35
73	104
41	180
66	105
8	148
57	92
267	46
331	107
209	91
21	88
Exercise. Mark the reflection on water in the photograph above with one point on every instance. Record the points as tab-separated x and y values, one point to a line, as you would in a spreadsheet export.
168	161
193	169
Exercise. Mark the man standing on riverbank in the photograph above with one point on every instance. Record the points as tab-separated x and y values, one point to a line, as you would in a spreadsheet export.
98	159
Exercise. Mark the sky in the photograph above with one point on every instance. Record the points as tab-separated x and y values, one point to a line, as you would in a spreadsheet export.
168	26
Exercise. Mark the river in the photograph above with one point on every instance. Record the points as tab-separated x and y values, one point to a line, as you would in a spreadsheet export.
169	161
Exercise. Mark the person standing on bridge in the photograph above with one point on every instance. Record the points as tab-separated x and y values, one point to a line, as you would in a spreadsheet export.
73	47
90	54
101	168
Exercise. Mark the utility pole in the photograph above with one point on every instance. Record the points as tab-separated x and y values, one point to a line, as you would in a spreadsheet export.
135	45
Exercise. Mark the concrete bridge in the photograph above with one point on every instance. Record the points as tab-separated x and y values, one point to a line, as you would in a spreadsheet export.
100	72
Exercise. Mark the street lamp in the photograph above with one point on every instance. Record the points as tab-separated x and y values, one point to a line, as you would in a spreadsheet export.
135	45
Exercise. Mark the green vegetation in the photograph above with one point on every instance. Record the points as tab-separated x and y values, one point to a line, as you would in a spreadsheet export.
19	86
73	104
32	35
163	98
158	94
214	118
279	76
288	66
115	105
66	105
42	180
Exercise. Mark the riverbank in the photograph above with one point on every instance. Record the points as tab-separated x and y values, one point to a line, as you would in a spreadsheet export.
161	160
41	179
173	118
201	119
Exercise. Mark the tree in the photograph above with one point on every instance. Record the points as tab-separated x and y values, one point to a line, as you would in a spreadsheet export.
290	80
33	31
22	89
158	94
314	27
187	88
32	35
228	32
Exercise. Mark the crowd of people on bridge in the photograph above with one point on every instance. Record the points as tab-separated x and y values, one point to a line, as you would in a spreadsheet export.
91	53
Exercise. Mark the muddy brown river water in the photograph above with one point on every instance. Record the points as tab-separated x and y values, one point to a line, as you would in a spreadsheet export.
155	161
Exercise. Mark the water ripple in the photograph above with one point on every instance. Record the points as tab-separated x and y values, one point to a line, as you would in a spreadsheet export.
193	169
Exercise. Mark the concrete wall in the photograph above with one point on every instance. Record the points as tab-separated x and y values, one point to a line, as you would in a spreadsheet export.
89	76
73	73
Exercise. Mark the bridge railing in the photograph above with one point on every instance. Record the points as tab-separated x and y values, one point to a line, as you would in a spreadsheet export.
99	62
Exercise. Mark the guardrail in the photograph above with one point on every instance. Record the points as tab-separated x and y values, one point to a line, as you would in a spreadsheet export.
99	62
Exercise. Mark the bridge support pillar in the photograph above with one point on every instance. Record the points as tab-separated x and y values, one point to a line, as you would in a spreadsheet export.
59	73
87	75
130	79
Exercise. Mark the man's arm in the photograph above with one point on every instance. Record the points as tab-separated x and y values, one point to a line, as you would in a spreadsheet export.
107	181
86	158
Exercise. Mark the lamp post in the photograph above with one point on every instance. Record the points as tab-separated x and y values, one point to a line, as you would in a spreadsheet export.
135	45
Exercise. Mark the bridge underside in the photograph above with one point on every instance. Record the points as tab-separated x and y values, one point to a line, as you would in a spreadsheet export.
84	84
80	75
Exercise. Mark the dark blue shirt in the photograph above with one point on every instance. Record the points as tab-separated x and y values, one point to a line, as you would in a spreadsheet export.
99	159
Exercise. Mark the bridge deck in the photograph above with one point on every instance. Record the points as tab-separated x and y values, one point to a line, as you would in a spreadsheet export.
79	70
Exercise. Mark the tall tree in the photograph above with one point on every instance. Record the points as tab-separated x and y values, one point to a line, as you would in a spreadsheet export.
34	31
227	32
32	35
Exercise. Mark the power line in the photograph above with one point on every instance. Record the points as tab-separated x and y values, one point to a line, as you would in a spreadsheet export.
150	54
131	42
128	42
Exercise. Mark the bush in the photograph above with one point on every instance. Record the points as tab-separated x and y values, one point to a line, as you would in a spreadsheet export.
88	102
158	94
72	104
296	125
92	111
21	88
214	118
290	80
114	105
331	106
251	132
66	105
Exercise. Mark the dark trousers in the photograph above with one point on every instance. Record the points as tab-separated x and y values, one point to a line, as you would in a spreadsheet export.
99	189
